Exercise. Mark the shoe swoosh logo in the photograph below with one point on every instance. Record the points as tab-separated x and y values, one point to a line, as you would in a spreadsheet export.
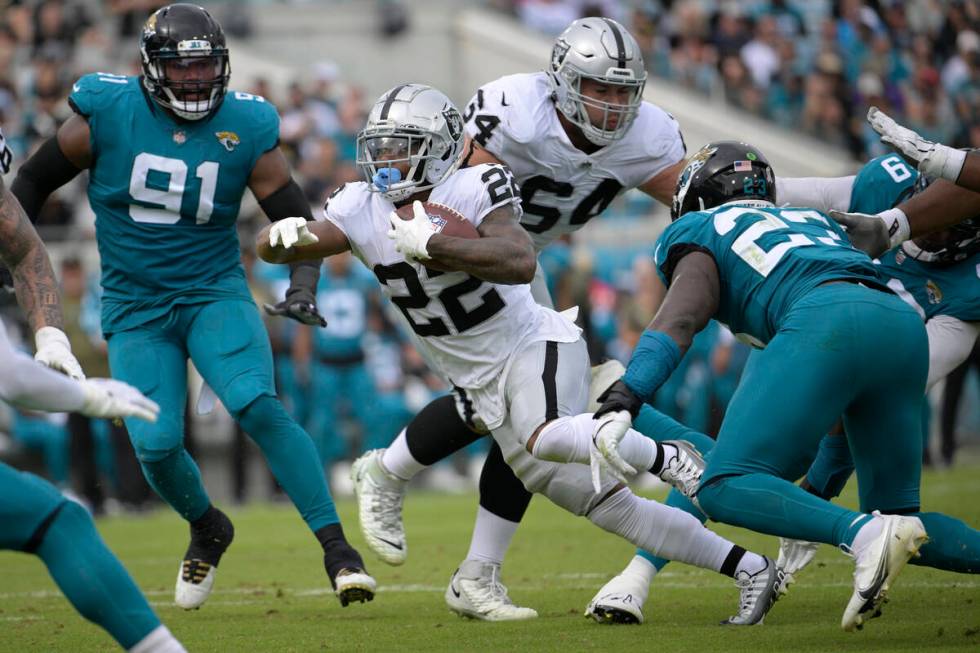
454	590
397	545
869	593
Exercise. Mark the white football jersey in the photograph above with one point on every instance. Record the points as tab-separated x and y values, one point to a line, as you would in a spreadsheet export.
562	188
6	156
466	328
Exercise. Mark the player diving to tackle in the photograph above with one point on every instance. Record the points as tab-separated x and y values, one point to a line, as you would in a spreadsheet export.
34	516
170	154
523	367
938	276
788	279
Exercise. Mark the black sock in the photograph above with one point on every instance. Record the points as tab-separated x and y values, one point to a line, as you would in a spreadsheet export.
731	561
337	552
211	534
658	463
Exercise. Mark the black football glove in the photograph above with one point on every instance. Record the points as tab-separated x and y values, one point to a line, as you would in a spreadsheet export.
617	397
300	302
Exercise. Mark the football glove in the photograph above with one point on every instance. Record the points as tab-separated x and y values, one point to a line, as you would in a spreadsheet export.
112	398
53	350
874	234
288	232
932	159
411	236
604	455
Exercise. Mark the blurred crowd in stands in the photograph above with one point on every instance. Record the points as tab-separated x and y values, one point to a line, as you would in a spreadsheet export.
354	385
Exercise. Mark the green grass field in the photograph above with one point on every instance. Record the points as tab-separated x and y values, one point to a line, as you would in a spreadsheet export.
272	593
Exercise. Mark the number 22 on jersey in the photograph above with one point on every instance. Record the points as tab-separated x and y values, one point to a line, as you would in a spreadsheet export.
169	200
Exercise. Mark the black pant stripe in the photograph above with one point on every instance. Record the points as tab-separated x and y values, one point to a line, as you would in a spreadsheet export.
549	378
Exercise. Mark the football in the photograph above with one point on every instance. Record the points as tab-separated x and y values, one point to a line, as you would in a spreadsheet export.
446	221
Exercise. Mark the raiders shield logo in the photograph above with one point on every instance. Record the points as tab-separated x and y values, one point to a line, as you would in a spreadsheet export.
454	123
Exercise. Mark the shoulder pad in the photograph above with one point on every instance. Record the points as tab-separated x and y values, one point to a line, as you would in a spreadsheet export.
97	90
258	116
659	131
346	198
504	110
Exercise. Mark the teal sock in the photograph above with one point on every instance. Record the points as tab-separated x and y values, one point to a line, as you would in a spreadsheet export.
92	579
952	545
658	427
177	480
768	504
831	468
293	459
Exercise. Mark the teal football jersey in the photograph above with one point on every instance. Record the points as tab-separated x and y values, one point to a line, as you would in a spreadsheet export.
767	258
932	289
345	301
166	196
882	183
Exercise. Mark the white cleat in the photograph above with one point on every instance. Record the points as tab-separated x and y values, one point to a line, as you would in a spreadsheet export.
475	591
603	376
877	565
354	585
620	601
794	555
379	506
683	470
195	579
758	592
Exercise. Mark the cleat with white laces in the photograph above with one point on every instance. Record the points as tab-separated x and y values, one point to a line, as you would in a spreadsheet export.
603	375
758	593
380	496
683	470
475	591
877	565
794	555
354	584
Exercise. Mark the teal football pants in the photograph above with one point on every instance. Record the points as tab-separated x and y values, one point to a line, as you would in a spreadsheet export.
835	353
36	518
229	346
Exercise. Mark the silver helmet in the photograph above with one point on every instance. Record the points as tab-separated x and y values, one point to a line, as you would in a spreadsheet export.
415	125
602	50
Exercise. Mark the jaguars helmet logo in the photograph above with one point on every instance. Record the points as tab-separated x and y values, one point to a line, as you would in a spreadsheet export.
933	292
229	139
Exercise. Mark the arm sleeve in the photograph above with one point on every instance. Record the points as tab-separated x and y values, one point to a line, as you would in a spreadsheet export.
28	384
950	343
821	193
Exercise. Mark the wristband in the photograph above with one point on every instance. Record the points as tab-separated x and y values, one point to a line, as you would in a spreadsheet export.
656	356
897	224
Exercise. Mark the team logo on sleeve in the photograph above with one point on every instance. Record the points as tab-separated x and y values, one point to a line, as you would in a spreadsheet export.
933	292
229	139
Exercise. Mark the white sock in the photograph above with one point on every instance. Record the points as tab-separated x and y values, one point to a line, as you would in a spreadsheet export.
751	563
491	537
866	535
398	460
160	640
641	569
662	530
568	439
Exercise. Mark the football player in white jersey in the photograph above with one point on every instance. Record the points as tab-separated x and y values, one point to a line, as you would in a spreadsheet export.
523	367
575	136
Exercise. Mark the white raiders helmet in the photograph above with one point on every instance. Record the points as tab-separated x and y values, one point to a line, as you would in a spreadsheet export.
413	124
599	49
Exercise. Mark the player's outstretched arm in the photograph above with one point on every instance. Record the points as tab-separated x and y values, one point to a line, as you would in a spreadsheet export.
502	254
296	239
281	198
662	185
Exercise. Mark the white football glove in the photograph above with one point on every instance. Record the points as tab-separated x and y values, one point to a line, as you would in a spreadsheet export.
112	398
607	432
291	231
932	159
411	236
54	351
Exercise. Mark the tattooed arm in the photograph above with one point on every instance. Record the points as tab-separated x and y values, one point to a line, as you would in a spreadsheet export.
23	252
